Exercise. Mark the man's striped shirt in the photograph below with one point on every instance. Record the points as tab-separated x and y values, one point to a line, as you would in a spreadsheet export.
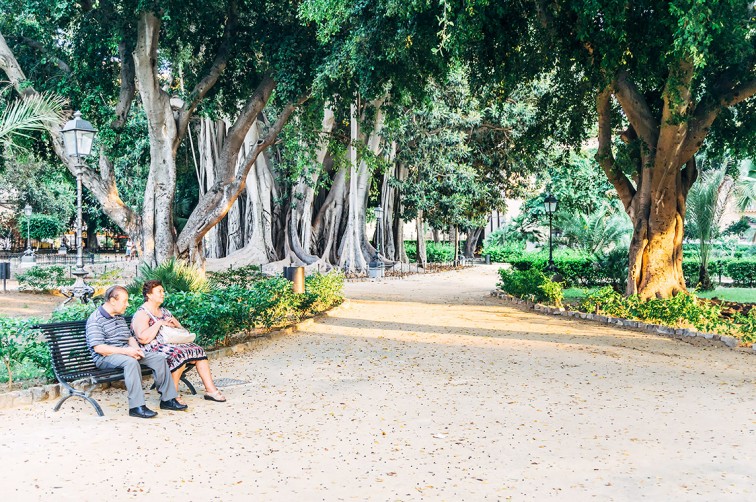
103	328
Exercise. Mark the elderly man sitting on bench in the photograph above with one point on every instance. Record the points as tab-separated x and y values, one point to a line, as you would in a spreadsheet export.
112	346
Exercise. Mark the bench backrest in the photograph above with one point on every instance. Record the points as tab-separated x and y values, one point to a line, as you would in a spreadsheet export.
67	341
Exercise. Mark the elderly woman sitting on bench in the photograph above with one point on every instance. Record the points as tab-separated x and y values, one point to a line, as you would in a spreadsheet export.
148	320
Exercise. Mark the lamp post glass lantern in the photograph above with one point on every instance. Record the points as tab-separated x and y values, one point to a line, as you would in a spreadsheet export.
550	203
78	135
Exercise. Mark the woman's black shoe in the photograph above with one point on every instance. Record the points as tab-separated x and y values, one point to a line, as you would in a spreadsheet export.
142	412
172	405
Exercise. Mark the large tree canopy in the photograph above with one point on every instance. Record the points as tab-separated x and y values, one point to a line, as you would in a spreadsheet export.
664	77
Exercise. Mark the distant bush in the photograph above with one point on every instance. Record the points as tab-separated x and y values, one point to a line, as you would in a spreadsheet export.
74	311
242	276
42	279
434	253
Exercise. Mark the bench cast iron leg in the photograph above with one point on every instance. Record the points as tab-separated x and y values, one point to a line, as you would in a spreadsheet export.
72	393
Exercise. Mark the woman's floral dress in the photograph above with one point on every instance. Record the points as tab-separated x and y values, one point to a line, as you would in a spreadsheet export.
176	354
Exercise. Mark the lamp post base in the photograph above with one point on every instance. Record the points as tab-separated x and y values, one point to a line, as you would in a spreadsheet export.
80	289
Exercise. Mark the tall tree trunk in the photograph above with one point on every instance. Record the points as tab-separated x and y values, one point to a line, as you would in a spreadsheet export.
159	234
473	235
354	249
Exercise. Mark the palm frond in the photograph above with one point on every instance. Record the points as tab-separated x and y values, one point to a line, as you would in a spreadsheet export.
23	116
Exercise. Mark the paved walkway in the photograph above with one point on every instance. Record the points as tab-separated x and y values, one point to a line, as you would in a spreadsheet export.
420	389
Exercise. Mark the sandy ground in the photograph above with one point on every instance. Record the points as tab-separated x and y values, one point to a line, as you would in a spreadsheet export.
420	389
15	304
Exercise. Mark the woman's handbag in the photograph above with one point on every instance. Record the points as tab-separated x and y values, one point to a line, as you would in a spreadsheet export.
176	335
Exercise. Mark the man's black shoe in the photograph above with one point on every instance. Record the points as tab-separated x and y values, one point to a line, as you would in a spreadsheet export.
172	405
142	412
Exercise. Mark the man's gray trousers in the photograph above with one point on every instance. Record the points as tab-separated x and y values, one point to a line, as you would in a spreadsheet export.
132	373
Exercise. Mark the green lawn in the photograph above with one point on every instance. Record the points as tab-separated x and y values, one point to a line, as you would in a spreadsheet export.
743	295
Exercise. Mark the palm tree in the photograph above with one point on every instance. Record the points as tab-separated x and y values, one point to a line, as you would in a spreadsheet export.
24	116
746	186
706	204
598	232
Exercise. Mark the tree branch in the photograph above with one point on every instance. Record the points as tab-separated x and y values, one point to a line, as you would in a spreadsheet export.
36	45
604	155
128	87
215	71
637	110
705	115
11	68
689	175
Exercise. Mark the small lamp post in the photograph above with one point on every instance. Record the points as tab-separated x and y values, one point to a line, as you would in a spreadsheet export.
78	135
29	253
550	203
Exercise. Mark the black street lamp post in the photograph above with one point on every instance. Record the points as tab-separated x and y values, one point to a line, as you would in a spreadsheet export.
29	253
550	203
78	135
375	266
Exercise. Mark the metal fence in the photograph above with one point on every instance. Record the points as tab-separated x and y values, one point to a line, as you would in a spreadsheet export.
402	270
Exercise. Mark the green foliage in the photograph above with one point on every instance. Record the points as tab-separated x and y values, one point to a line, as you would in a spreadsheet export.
747	325
176	276
19	343
42	226
323	291
242	276
434	252
739	228
531	284
40	279
706	204
597	232
23	116
218	313
682	310
742	272
74	311
503	253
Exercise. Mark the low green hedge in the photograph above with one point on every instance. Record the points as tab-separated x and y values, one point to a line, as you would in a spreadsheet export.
682	310
434	252
214	315
532	285
591	271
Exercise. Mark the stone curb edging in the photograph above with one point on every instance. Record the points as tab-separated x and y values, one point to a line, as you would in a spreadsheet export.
52	391
659	329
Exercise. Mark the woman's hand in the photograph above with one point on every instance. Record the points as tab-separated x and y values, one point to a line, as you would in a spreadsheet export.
171	321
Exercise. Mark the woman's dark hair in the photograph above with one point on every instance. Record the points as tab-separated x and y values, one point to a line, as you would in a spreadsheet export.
148	286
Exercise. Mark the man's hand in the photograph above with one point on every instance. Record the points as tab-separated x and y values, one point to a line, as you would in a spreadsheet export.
133	352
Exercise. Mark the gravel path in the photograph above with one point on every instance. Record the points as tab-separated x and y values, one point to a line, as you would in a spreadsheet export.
424	388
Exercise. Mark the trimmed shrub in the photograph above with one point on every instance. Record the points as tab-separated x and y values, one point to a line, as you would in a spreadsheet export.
434	253
742	272
503	253
532	285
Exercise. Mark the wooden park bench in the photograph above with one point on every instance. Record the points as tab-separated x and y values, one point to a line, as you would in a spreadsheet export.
72	361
